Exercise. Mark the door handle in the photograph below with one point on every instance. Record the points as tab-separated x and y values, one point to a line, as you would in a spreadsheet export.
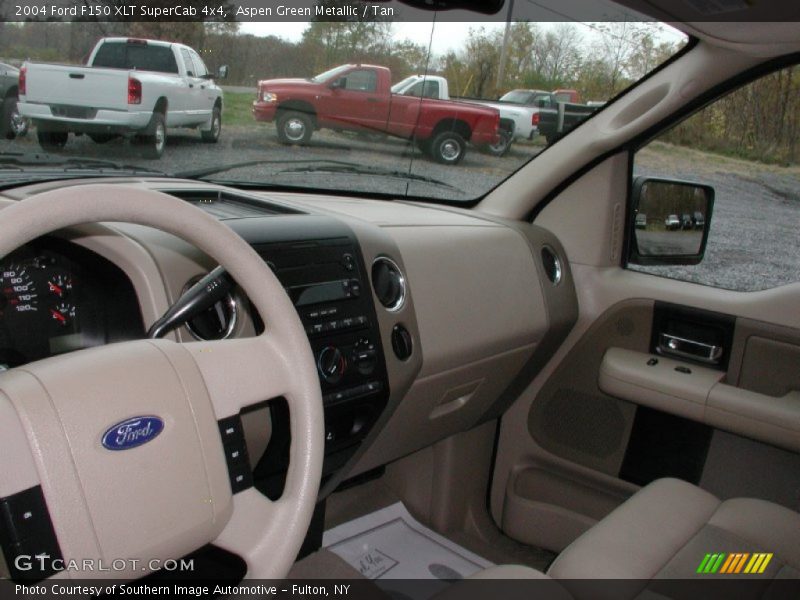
372	100
685	348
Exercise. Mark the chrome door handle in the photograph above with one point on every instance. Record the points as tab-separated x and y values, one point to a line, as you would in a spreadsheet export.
685	348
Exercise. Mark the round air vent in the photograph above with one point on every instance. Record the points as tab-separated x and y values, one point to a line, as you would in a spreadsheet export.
552	265
389	283
215	323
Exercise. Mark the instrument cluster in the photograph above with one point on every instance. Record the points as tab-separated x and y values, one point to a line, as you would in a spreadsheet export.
56	297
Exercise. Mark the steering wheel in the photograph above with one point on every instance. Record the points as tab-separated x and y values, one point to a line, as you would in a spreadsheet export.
166	494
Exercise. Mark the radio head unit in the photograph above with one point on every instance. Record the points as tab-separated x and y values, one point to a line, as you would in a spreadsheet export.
320	265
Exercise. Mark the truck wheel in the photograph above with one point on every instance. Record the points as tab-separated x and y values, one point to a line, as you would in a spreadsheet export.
502	146
156	140
211	136
448	148
52	141
12	124
295	128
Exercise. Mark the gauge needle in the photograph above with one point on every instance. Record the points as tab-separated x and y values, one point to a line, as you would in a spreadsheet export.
58	316
55	288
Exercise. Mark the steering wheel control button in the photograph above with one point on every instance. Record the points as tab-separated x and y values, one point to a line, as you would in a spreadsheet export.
26	531
241	478
236	457
24	514
231	430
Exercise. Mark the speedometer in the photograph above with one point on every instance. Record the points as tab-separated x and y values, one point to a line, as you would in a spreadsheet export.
17	292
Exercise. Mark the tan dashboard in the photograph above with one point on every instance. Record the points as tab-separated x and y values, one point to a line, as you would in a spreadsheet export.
485	304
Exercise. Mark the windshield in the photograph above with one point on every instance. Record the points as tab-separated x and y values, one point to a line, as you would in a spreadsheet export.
400	85
329	74
521	97
239	102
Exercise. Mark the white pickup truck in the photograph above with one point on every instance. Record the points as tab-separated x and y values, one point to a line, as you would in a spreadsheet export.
516	122
131	87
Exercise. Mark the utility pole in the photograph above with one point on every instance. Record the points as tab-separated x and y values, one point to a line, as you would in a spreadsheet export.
501	70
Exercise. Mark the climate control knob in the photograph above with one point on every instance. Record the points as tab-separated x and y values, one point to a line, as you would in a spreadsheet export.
331	364
364	356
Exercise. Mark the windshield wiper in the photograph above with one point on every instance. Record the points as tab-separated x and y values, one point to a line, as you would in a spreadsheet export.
312	165
20	159
205	171
372	170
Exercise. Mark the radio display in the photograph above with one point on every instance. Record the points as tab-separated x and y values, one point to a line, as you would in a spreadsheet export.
316	293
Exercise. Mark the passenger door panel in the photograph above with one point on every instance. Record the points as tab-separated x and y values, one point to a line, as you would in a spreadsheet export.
618	412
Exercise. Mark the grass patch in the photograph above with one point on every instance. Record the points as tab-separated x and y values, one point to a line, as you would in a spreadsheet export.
238	108
665	154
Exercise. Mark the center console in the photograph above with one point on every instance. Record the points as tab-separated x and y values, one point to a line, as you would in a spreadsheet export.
319	263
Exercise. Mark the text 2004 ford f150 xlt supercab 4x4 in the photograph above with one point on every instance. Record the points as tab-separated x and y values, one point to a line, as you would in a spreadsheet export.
359	97
129	86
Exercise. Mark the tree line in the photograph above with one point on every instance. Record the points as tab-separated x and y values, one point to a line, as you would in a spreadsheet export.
536	56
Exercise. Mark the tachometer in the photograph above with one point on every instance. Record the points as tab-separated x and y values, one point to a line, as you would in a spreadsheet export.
18	294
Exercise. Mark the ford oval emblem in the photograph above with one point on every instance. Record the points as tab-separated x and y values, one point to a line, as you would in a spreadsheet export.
132	433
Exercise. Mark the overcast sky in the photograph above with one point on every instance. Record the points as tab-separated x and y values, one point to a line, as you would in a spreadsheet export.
448	35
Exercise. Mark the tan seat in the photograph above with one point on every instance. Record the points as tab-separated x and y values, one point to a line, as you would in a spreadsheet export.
665	530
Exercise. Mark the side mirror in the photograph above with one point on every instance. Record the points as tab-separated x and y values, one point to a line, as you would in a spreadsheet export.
670	221
222	72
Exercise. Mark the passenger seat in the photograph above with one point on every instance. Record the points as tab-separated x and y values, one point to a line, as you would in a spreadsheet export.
665	531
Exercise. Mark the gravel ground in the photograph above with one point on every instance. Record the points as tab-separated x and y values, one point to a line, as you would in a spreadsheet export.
754	240
475	175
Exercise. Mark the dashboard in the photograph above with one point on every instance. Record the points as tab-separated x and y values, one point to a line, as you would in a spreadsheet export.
424	321
56	297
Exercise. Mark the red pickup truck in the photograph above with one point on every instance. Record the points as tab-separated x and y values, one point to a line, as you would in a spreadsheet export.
359	97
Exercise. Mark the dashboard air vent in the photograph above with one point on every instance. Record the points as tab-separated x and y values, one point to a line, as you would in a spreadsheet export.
389	283
552	265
